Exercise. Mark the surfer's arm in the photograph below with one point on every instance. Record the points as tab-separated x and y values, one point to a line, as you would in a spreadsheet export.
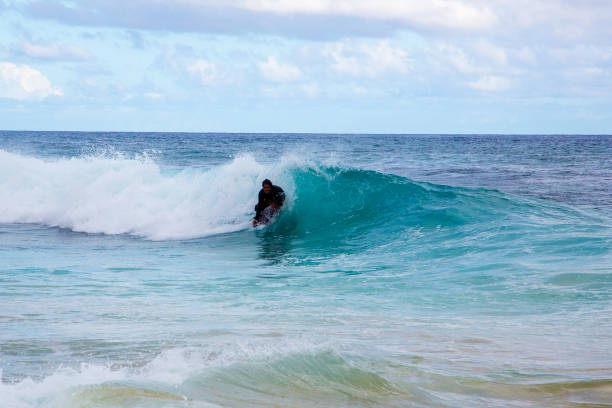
259	206
257	215
279	198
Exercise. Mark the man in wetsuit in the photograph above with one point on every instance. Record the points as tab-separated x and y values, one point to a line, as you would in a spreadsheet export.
269	195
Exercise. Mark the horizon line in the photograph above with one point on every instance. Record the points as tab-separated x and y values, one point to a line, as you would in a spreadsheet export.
310	133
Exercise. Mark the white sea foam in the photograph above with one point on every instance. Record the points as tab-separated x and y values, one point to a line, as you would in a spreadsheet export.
121	195
170	369
30	393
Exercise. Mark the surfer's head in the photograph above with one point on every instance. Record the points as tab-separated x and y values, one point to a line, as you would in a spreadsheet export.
266	186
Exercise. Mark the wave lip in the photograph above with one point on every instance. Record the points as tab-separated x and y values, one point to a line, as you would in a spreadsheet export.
119	195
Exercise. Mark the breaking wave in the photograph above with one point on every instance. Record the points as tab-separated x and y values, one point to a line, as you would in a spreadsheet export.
135	195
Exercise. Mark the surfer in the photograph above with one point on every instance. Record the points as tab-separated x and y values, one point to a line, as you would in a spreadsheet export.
271	198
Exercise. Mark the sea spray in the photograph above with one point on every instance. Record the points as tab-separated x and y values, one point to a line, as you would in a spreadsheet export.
119	195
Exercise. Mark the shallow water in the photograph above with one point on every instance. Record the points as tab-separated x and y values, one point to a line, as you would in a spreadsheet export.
433	271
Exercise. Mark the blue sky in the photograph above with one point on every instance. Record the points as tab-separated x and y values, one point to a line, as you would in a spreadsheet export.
442	66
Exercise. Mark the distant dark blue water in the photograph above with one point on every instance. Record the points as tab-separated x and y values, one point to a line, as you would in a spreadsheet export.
404	270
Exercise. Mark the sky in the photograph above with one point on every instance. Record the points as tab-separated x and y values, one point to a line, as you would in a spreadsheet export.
328	66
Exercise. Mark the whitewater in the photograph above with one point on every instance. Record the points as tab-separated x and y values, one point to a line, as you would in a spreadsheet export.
403	270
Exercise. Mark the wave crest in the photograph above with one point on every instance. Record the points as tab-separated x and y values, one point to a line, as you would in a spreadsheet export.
120	195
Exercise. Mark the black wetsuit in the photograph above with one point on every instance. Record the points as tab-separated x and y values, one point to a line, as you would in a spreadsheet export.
277	195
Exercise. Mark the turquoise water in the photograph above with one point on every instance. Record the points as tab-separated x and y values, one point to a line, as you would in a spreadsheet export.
405	270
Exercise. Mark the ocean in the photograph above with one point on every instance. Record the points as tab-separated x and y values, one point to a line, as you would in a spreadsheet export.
403	271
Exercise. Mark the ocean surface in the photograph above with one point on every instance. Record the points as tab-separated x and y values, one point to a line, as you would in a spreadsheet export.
403	271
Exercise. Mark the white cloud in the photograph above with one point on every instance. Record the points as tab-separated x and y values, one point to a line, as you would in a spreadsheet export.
153	95
367	59
359	90
474	57
310	90
490	52
518	21
490	83
24	82
581	54
52	51
274	71
525	55
566	20
440	13
532	70
290	90
443	55
204	71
